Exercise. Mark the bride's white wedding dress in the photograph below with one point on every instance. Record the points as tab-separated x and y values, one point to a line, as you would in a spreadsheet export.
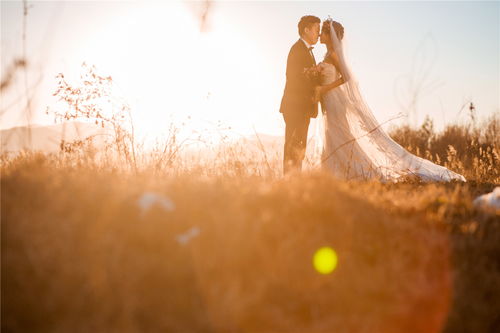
356	147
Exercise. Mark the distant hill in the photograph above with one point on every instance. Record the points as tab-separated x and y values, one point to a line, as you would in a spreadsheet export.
272	143
48	138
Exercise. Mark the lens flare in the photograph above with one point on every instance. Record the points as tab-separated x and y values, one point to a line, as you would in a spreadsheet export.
325	260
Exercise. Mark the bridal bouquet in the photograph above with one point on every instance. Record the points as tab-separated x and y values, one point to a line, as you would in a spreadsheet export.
312	72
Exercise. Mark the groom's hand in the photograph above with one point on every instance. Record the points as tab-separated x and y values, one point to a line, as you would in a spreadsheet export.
317	94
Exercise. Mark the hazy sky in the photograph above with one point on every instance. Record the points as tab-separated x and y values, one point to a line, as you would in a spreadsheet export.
166	69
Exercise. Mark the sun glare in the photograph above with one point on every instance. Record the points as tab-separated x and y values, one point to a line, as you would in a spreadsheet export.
168	70
325	260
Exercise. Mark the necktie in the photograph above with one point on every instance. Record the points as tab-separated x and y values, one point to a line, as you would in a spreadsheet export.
312	55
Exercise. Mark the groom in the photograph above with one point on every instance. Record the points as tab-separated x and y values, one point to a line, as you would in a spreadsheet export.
297	104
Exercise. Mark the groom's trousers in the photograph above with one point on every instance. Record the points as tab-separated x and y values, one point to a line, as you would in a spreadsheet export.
295	141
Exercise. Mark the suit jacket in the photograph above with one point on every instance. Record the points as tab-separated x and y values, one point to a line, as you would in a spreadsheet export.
299	89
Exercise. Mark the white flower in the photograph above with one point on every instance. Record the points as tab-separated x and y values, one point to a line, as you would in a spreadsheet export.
184	238
149	199
489	202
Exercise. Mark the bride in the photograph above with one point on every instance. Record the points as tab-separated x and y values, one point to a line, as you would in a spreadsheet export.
355	145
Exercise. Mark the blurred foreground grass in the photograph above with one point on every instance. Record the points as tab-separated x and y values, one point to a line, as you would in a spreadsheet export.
232	249
79	254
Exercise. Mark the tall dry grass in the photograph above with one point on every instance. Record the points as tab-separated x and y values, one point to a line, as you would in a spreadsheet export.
234	252
471	149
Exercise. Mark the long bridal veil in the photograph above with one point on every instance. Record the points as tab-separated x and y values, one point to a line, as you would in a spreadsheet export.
388	160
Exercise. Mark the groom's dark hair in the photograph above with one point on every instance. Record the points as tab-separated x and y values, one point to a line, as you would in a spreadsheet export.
306	21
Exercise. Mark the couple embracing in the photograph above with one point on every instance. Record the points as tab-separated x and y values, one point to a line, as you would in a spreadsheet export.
355	146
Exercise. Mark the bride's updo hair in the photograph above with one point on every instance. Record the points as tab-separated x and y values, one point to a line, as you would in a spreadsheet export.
339	29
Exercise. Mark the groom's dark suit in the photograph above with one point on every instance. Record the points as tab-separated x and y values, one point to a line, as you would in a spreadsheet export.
297	105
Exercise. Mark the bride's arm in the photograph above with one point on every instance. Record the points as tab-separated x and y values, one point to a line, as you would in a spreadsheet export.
333	85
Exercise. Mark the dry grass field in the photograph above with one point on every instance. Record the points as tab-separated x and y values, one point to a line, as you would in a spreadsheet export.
228	245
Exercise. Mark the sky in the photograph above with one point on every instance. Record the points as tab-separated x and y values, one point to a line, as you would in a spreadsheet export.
440	54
